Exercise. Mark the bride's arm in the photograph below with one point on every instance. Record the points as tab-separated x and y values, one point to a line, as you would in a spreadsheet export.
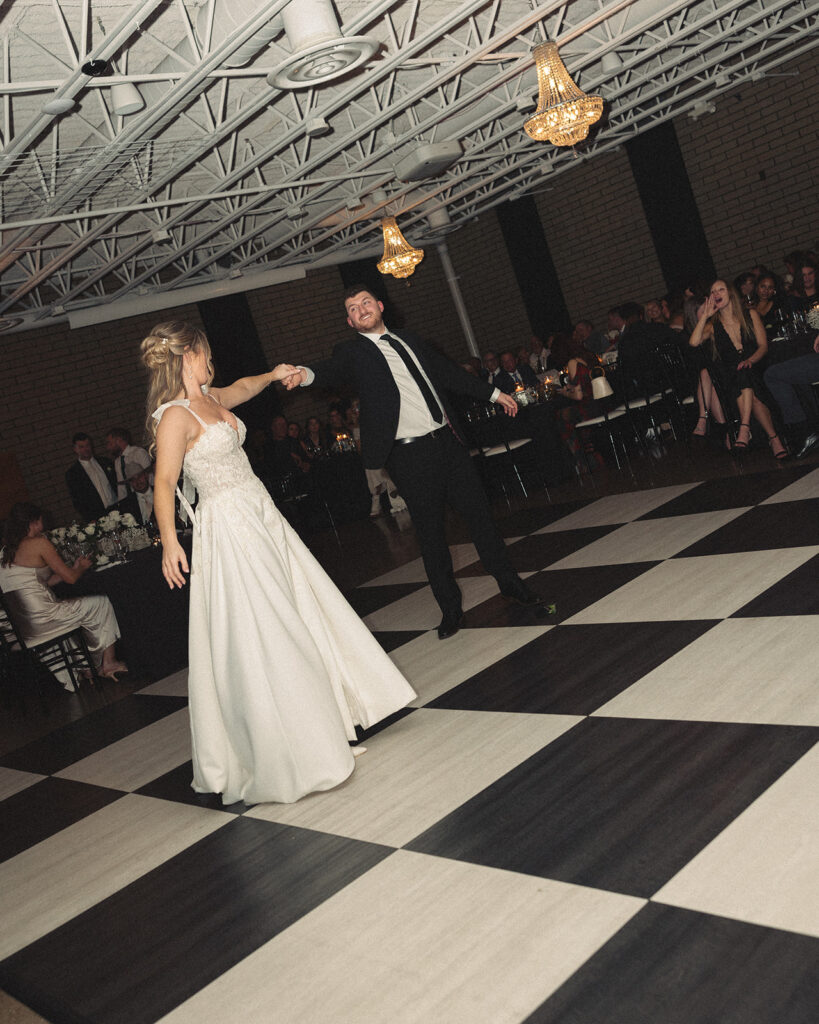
245	388
175	431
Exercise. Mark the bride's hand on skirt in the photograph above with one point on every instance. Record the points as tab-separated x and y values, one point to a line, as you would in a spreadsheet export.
174	564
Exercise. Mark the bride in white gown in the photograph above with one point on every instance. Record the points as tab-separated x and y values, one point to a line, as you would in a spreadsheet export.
281	669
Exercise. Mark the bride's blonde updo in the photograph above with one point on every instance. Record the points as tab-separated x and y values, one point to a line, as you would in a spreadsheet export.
162	353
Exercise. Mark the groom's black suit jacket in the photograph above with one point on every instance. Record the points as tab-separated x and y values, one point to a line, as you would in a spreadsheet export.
359	362
84	495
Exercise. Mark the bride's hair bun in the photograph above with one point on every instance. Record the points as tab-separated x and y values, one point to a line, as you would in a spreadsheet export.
155	351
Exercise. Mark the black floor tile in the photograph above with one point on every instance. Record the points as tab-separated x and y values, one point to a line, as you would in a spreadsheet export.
385	723
526	521
541	550
729	492
786	524
672	966
86	736
136	955
176	785
795	594
572	670
369	599
392	638
618	804
570	590
47	807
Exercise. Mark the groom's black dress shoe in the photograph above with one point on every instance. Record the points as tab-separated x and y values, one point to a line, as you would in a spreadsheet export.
450	624
518	591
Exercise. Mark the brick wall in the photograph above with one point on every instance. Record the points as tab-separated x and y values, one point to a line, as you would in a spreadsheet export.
599	238
754	168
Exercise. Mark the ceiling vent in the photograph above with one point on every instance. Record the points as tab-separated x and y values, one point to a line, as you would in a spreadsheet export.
428	161
320	52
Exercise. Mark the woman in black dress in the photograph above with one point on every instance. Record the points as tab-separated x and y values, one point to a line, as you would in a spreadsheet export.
734	344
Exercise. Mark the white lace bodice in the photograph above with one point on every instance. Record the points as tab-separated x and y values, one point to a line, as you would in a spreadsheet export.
217	463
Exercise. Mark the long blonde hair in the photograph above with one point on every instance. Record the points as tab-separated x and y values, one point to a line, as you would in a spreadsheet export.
746	326
162	353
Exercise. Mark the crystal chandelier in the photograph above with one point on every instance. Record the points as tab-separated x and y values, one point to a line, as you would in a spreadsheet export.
564	112
399	259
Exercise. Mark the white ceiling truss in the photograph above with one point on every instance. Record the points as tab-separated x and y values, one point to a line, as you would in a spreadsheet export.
218	174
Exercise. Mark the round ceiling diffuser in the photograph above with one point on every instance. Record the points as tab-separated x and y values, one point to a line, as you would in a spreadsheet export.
322	62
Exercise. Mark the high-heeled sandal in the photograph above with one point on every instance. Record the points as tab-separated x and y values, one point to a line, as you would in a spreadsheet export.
696	431
743	444
783	451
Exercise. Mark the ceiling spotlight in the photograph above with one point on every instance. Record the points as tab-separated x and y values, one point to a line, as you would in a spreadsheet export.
611	63
294	211
700	108
126	98
235	273
96	68
315	127
58	105
160	235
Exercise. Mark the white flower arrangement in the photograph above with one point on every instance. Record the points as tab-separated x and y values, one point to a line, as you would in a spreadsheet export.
129	521
103	559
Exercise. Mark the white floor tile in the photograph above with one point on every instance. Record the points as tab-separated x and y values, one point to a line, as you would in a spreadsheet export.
763	867
139	758
806	487
617	508
760	670
50	883
649	540
433	667
415	940
706	587
171	686
12	781
418	770
420	610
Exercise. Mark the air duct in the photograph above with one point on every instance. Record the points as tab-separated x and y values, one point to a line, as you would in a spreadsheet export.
230	15
320	52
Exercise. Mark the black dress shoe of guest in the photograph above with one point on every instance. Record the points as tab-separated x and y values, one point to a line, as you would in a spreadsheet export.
810	442
450	624
518	591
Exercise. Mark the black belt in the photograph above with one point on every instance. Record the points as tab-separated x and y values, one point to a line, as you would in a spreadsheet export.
440	432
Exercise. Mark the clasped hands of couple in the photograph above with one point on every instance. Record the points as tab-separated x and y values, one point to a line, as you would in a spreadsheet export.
293	376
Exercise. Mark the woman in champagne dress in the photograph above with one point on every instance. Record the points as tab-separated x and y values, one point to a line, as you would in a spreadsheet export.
281	668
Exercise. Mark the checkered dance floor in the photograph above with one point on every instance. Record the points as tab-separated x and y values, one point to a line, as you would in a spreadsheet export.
610	819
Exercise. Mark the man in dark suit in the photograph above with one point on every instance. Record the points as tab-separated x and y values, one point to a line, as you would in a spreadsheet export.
407	425
514	373
91	482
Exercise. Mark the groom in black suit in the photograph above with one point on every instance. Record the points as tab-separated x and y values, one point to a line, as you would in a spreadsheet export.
408	425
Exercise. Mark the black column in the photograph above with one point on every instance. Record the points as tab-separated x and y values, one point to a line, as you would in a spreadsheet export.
670	208
237	352
532	262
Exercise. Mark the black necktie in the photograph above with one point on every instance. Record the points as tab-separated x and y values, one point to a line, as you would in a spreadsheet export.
433	405
122	470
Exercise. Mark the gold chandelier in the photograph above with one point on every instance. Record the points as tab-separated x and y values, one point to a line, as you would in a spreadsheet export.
564	112
399	259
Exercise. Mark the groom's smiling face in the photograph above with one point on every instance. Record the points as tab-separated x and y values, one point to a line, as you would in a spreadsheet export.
364	313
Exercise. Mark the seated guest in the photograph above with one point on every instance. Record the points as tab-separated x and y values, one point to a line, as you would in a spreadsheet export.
614	327
769	304
516	374
120	451
745	285
282	455
575	401
790	384
735	343
140	501
491	368
91	482
29	566
540	354
588	338
803	294
653	312
672	306
336	421
314	443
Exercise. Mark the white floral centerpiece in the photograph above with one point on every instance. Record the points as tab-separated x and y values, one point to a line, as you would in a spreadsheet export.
99	540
